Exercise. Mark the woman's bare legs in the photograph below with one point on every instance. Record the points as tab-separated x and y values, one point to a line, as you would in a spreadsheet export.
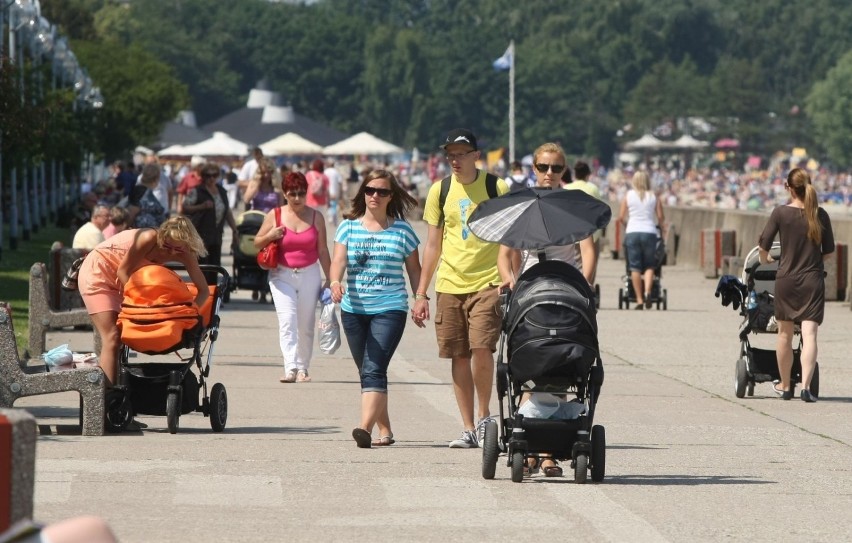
784	352
105	323
374	411
649	280
809	352
636	278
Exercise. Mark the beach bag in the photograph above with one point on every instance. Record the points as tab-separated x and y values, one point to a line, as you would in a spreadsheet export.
315	184
69	280
267	258
329	327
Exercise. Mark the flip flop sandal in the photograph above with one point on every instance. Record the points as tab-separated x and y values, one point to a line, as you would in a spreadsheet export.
531	466
552	471
362	438
384	441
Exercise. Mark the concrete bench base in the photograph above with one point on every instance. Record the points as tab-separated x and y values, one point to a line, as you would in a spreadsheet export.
15	383
17	466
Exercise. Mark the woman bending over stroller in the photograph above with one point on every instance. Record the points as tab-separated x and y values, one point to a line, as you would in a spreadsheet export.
549	162
107	268
806	240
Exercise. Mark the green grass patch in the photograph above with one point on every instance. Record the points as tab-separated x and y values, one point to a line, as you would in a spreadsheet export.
15	273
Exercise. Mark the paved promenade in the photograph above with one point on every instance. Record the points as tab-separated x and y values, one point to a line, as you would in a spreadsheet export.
686	459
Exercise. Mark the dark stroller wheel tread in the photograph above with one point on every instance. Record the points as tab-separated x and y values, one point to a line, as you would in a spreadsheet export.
741	378
581	468
621	298
218	407
490	450
598	459
665	300
118	412
173	412
517	466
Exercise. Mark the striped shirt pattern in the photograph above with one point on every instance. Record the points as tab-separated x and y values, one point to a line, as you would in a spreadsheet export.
375	266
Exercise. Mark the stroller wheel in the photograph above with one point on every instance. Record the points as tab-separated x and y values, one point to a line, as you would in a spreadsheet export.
118	411
517	466
173	412
581	468
490	450
741	378
598	453
218	407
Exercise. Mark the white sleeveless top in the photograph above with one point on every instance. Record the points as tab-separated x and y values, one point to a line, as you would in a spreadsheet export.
643	217
565	253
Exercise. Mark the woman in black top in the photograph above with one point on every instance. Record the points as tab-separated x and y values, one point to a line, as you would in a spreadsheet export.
207	207
806	240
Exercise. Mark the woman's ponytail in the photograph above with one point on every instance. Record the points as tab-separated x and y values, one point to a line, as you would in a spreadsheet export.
811	206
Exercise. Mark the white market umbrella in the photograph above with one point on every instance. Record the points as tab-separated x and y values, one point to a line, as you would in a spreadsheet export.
362	143
289	144
688	142
173	150
221	144
646	143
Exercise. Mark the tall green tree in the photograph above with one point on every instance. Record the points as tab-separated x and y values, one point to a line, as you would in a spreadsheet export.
829	104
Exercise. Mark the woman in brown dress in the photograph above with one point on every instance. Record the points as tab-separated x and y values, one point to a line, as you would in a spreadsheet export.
806	240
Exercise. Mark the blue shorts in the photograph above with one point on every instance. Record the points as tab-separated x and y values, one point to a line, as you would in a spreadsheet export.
641	251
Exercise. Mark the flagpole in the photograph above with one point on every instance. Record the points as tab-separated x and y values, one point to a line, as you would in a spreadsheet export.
512	102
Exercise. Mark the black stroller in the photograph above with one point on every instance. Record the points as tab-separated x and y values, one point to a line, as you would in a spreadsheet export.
659	295
168	388
247	273
757	307
550	330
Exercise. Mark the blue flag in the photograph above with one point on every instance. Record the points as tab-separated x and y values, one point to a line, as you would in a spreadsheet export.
505	62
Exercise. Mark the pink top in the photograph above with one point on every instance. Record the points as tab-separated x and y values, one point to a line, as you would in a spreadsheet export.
299	249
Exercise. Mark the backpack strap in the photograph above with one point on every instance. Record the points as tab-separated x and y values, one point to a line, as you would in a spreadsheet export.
490	188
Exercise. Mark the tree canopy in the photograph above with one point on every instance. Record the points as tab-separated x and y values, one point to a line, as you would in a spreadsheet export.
409	70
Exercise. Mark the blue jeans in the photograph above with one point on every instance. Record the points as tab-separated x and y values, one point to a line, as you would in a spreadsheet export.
372	340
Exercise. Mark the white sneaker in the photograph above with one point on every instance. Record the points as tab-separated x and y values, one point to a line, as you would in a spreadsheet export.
466	441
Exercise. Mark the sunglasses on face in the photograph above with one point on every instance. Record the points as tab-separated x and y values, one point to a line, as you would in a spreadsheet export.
555	168
297	194
372	191
457	156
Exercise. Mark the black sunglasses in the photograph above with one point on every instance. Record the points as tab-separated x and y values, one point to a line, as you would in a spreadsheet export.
384	193
297	194
555	168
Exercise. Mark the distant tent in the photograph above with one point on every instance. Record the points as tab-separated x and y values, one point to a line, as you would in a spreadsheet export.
688	142
221	144
646	143
362	143
289	144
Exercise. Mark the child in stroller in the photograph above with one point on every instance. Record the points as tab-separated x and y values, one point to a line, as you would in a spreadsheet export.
754	296
247	273
550	330
158	317
659	296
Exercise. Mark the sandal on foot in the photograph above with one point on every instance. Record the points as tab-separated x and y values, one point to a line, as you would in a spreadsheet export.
384	441
302	377
553	470
289	377
531	466
362	438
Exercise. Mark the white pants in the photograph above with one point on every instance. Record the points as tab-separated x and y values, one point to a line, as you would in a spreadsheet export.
295	293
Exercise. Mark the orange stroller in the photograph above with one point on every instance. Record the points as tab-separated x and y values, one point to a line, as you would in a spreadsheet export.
158	316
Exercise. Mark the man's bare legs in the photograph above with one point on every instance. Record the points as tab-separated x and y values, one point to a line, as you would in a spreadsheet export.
471	376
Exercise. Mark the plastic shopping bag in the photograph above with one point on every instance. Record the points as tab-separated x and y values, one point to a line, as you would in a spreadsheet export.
329	328
59	358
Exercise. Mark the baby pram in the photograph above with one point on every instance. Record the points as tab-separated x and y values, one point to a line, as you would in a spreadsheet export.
159	317
247	273
757	307
550	330
659	295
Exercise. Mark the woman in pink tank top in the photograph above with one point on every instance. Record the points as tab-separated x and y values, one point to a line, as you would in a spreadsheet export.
296	283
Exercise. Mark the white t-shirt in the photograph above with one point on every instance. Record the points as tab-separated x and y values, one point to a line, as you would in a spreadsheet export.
334	182
564	253
642	213
247	171
88	237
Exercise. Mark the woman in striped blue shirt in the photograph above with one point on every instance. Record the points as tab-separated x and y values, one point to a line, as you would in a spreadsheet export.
373	245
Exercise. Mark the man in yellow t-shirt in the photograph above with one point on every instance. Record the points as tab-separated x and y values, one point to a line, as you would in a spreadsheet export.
467	317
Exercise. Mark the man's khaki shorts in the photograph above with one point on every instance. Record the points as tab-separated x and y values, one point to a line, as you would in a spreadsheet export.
467	321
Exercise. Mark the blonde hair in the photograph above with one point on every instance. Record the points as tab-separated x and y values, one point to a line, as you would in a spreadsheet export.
800	183
549	147
264	164
180	229
641	184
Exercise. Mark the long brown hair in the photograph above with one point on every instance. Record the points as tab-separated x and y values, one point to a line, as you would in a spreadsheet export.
400	201
800	183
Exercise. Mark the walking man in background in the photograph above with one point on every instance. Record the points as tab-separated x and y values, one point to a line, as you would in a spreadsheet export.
467	317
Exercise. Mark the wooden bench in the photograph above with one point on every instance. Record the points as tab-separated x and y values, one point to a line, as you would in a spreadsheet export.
16	383
17	466
43	318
